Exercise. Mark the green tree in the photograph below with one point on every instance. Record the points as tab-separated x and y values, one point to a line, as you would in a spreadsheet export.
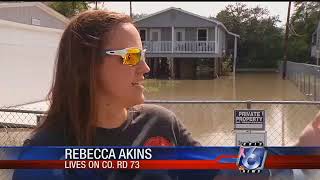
97	5
303	23
260	44
70	8
138	16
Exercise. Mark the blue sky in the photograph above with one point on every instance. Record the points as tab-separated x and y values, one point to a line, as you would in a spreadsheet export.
201	8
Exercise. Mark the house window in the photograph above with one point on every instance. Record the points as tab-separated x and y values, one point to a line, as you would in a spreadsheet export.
35	21
202	34
179	36
155	35
143	34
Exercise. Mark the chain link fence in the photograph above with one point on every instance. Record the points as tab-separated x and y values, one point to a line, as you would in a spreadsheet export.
305	77
210	122
16	125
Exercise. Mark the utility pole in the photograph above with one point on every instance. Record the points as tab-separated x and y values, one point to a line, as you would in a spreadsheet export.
284	69
130	9
73	9
96	5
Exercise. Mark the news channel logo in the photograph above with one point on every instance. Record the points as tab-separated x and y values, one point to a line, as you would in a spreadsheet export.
251	158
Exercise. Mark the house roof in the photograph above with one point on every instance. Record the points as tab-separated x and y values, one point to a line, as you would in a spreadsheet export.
40	5
192	14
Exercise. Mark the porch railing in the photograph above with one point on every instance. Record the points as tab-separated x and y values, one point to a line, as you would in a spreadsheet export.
179	46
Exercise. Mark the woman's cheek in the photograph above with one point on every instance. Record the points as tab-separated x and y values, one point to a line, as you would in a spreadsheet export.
122	84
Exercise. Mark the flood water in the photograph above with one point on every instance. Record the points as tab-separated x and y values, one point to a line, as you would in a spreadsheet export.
212	124
246	86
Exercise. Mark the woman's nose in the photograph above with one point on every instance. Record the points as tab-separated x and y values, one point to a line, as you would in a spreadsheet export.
143	67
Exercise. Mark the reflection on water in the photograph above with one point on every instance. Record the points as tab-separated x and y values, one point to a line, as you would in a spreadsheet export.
255	86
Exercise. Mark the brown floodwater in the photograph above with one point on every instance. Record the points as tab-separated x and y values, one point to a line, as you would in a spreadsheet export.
211	124
246	86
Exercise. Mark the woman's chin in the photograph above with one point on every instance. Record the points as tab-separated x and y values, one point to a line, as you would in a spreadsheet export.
137	100
140	100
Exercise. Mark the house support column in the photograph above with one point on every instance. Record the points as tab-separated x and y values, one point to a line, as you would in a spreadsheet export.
216	67
155	68
234	56
219	64
171	67
172	38
194	68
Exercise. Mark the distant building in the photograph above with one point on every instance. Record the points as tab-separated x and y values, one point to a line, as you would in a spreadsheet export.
183	45
32	13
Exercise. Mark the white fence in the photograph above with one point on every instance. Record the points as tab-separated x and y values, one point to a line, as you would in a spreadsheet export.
179	46
305	77
27	55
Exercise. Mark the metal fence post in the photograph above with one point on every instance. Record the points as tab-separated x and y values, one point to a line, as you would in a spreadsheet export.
249	104
297	79
309	90
304	83
282	130
300	82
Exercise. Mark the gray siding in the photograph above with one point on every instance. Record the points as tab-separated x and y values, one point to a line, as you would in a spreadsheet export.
24	15
221	41
211	34
174	18
166	34
148	34
191	34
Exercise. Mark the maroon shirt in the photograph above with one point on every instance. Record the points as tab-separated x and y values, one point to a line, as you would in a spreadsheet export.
146	125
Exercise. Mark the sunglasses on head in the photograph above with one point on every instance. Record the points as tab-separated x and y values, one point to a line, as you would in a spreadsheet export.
130	56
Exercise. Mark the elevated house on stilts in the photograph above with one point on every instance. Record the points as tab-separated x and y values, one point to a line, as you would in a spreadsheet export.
183	45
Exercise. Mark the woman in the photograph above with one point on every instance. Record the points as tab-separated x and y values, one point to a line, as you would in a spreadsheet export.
99	80
97	93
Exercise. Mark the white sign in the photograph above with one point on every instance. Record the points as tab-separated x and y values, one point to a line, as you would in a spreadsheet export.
249	119
245	137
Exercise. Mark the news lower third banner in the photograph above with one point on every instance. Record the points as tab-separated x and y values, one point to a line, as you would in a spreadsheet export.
157	158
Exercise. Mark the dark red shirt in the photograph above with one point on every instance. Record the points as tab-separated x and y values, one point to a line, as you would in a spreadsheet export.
146	125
